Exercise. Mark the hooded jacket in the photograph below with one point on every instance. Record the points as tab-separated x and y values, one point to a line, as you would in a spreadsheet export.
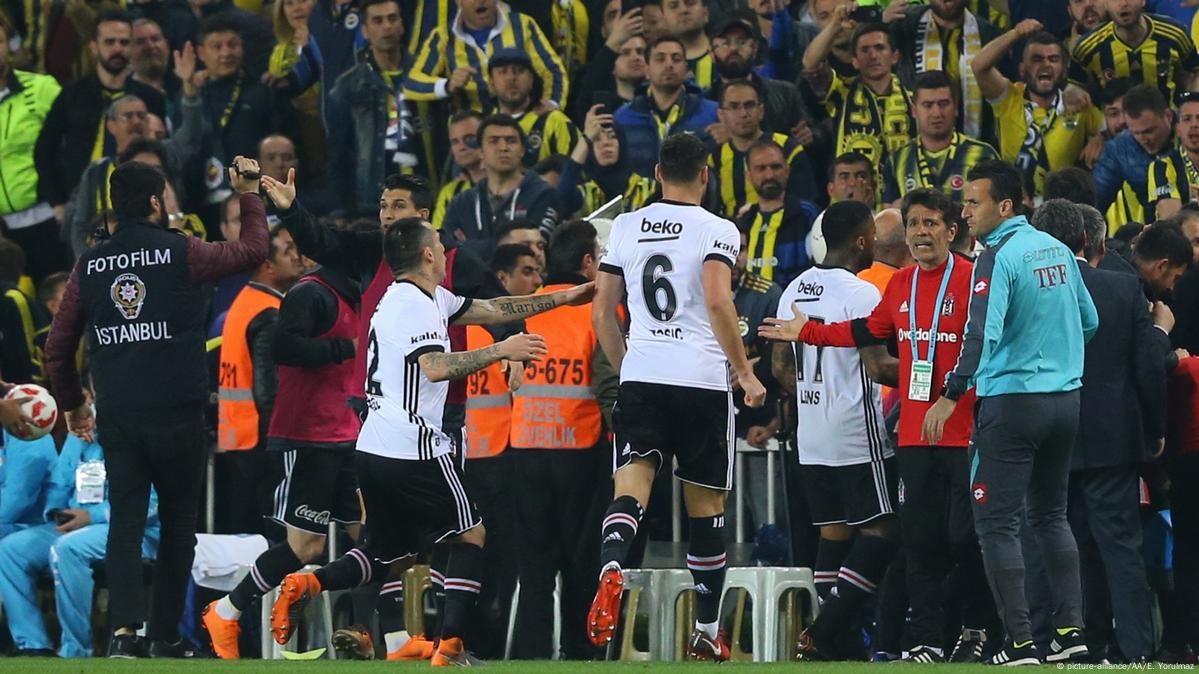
469	217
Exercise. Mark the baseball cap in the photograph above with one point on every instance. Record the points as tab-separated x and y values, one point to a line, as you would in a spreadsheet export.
509	56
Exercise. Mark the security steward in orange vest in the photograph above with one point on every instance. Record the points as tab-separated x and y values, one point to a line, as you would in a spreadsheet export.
490	469
247	389
559	441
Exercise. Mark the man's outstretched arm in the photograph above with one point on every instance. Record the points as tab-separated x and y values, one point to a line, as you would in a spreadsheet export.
506	309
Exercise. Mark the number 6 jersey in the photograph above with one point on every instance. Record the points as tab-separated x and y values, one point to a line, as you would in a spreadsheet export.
404	421
840	412
660	251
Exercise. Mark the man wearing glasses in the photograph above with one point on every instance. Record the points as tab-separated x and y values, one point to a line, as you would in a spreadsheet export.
741	112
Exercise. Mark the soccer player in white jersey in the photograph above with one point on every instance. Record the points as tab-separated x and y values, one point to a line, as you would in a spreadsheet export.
847	465
411	486
676	260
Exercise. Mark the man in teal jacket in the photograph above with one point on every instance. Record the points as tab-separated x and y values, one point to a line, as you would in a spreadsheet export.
1030	318
73	536
24	468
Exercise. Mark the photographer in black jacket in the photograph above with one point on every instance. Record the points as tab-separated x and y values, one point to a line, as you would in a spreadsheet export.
139	295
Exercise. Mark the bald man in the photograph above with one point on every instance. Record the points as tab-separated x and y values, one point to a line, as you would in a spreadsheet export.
277	155
890	249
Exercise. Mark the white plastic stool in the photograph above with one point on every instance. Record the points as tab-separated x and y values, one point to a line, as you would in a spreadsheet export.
777	583
272	650
748	580
674	625
640	595
766	587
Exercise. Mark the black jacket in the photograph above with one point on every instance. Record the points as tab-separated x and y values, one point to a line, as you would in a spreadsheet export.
139	297
19	364
1185	303
1124	375
231	128
469	218
308	310
64	147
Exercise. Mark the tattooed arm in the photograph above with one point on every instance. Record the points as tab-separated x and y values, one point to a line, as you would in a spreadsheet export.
440	366
506	309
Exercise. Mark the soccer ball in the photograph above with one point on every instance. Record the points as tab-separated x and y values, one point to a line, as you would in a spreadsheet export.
42	409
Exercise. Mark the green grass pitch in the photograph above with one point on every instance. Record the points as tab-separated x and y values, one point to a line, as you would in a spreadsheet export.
101	666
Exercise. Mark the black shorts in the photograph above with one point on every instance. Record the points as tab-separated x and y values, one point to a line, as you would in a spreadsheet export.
411	504
318	485
693	425
853	494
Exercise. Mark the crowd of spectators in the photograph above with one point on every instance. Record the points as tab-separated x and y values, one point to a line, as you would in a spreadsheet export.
502	121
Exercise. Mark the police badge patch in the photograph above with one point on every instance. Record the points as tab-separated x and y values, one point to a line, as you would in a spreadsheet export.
128	293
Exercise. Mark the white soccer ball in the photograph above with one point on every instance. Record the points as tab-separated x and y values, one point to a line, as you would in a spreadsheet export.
42	409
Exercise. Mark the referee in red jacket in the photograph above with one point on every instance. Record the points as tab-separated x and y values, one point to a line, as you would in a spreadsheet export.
924	309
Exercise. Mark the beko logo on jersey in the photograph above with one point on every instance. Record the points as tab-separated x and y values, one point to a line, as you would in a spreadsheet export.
664	227
923	335
428	337
805	288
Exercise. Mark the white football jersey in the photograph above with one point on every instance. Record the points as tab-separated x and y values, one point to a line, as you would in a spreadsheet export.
660	251
404	421
840	415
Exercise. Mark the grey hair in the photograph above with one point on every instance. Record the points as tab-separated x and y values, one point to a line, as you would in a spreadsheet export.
1063	221
112	107
1095	226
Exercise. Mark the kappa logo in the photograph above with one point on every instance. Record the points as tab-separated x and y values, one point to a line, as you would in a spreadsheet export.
980	288
979	492
903	307
128	293
306	513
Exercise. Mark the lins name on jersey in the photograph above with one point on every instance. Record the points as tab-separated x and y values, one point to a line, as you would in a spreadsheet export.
405	407
839	407
660	251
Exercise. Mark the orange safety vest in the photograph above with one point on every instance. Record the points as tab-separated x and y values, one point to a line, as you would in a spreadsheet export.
488	403
555	408
237	422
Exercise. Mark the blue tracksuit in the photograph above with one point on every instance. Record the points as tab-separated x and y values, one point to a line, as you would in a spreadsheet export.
1030	316
24	468
27	554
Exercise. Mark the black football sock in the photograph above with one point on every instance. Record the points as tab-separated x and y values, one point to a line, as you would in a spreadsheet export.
858	579
829	555
619	530
438	563
356	567
463	581
266	573
391	607
706	560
